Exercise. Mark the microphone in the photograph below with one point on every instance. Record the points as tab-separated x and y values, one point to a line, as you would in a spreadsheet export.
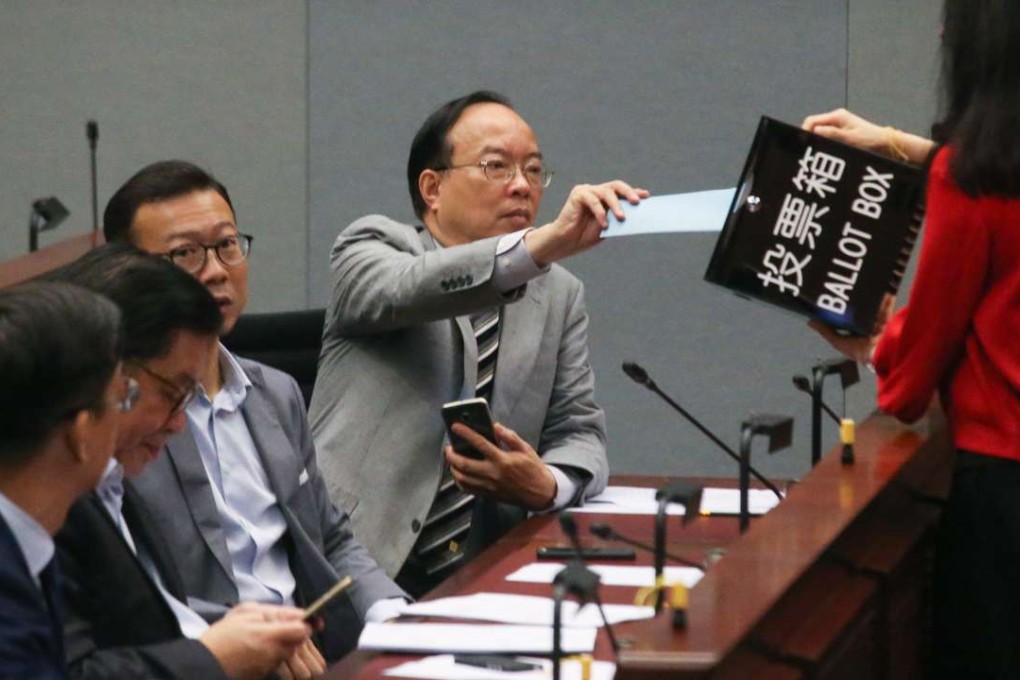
591	580
606	532
640	376
92	133
802	383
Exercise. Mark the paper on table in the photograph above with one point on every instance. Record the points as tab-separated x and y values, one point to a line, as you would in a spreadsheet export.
610	575
635	500
727	501
673	213
443	667
525	609
427	638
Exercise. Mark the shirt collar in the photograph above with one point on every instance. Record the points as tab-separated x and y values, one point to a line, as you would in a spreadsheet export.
235	388
111	487
35	543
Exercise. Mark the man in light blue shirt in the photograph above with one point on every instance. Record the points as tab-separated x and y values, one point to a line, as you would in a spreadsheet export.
128	615
260	524
61	393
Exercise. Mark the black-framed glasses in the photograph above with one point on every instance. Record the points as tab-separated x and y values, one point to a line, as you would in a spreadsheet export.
231	251
499	170
181	396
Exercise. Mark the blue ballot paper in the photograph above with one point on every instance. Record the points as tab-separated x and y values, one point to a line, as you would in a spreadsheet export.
673	213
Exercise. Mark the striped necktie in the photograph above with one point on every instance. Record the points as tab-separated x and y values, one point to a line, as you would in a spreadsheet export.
441	544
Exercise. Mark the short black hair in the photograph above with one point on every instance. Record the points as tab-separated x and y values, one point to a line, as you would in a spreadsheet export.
156	298
157	182
59	348
431	149
981	95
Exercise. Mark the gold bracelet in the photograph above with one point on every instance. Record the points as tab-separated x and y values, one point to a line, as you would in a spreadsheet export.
895	148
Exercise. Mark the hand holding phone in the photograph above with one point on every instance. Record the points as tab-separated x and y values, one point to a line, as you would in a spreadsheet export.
474	414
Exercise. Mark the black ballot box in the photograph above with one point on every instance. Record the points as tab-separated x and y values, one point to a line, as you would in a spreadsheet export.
818	228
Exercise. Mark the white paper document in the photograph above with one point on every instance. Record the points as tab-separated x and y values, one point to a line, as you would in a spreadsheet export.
525	609
673	213
443	667
610	575
451	638
636	500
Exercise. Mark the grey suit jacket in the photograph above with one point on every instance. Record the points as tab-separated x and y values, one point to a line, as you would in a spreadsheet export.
398	344
323	549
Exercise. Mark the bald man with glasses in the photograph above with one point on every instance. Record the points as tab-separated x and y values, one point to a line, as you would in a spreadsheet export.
467	302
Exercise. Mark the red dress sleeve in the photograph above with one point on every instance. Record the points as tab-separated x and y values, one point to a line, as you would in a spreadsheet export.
922	342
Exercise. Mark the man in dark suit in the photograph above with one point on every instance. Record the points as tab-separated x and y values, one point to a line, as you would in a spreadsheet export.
238	494
467	302
61	391
127	613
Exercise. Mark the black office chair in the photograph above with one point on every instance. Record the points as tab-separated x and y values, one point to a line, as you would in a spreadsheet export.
289	341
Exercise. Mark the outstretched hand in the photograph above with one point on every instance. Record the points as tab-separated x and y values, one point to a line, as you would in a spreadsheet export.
849	128
581	220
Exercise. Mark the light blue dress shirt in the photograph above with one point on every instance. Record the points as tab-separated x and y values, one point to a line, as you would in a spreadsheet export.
35	543
111	492
250	514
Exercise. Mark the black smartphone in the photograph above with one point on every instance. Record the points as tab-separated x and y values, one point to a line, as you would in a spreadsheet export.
474	413
557	552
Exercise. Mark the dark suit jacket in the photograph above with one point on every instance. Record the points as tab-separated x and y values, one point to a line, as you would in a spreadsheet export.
117	624
30	641
177	492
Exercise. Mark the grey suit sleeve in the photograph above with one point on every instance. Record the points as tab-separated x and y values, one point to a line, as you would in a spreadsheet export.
384	279
342	550
574	431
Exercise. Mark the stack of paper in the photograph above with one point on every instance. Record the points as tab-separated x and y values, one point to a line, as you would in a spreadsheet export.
636	500
430	638
610	575
443	667
525	610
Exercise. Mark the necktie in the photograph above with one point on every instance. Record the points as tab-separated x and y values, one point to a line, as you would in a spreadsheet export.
441	543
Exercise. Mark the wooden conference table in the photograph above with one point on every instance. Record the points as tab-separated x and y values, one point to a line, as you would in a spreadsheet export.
832	583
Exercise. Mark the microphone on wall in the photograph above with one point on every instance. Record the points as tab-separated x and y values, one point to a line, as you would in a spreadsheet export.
92	133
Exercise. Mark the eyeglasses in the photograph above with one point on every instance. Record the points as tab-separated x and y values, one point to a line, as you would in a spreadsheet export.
181	396
231	251
498	170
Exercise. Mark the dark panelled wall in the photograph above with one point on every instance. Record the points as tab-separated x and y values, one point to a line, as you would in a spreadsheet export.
664	94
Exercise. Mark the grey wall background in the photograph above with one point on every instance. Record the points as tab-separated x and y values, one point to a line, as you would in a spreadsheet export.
220	83
305	109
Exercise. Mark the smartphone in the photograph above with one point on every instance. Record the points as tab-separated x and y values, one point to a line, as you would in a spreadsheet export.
327	597
556	552
474	413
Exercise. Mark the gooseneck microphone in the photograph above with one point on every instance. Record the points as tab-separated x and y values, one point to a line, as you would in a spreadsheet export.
606	532
640	376
569	527
92	132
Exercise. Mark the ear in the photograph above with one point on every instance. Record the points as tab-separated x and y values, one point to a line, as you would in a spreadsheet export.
429	182
76	436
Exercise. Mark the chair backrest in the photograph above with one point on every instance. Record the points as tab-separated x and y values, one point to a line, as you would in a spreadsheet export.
289	341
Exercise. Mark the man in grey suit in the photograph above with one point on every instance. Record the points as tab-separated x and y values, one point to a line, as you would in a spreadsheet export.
467	303
238	493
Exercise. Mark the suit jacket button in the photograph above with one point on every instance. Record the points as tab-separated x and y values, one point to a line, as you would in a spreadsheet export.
415	526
